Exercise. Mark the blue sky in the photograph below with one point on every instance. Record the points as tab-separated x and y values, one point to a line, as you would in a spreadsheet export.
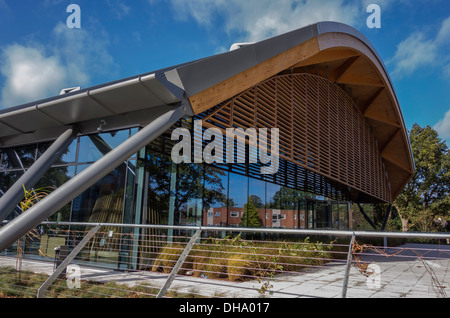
40	55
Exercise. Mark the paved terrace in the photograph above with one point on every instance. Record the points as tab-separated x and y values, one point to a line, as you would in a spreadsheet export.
400	277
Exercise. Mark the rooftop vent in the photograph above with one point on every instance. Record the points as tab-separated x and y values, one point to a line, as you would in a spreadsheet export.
237	46
69	90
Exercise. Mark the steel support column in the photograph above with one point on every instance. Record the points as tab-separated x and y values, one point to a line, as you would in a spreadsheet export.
386	217
16	193
83	181
366	217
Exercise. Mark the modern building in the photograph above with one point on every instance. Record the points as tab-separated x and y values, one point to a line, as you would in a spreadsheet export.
106	150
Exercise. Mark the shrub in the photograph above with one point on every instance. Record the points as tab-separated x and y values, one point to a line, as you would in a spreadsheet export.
238	266
237	260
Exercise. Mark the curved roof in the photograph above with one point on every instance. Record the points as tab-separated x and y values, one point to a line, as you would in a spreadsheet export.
328	49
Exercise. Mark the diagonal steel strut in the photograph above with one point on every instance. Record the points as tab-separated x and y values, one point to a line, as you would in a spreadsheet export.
15	194
88	177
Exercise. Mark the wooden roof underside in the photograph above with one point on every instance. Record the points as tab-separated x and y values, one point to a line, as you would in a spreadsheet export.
350	63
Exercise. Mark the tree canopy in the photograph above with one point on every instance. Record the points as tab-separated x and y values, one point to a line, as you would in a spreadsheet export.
426	196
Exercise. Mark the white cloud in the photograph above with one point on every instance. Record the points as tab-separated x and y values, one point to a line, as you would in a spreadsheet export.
35	71
260	19
119	8
413	53
84	52
3	5
443	126
420	50
30	75
443	35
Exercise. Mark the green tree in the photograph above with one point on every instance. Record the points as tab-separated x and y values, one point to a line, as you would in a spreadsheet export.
287	198
250	218
426	196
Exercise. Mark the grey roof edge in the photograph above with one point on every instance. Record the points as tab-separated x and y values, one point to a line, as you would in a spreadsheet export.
159	75
217	68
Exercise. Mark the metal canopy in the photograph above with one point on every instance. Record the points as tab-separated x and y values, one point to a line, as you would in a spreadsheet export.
125	103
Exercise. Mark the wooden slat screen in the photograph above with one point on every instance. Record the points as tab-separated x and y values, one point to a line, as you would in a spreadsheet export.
321	131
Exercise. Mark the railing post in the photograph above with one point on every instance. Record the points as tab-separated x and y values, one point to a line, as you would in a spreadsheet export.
43	289
348	266
180	262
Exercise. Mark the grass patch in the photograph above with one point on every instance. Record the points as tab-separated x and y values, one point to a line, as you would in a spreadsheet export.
27	285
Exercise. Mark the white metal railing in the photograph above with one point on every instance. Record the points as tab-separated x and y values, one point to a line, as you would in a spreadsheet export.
123	260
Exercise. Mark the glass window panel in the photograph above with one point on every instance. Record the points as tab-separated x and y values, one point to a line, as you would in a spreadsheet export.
51	180
88	151
55	177
323	214
284	204
94	147
302	214
130	189
68	156
103	202
237	198
272	205
114	139
26	155
189	194
335	215
7	179
257	197
159	170
18	158
343	216
215	203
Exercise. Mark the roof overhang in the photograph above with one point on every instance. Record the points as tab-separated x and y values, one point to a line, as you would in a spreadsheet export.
332	50
328	49
126	103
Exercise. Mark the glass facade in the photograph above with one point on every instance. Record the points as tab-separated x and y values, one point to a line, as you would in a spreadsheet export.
149	188
109	200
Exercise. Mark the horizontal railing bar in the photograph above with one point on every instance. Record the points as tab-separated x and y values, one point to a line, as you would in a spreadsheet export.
266	230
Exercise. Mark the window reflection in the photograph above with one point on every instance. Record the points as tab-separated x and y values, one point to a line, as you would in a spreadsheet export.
69	155
18	158
153	190
256	203
158	171
215	202
103	202
237	198
94	147
7	179
189	194
88	151
51	180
